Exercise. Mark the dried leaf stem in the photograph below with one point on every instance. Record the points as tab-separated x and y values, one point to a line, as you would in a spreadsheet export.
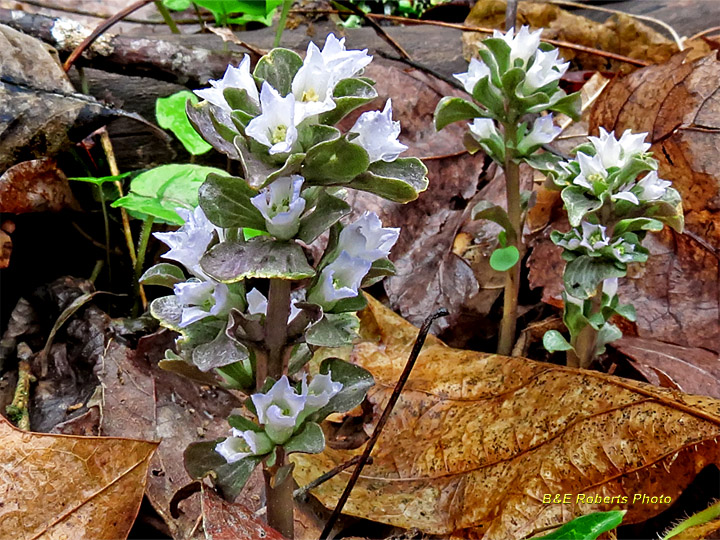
18	410
419	342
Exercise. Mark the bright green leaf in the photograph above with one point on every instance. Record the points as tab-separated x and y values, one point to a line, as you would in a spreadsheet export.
163	274
310	440
226	202
399	181
170	113
554	341
503	259
587	527
454	109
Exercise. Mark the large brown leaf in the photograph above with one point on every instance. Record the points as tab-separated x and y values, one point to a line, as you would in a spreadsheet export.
58	486
476	440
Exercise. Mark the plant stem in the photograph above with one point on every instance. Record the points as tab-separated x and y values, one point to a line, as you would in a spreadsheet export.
18	409
586	340
514	238
140	261
279	497
287	4
167	17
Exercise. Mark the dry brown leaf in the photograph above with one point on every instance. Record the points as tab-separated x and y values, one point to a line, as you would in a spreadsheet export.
58	486
476	440
35	186
225	521
690	370
620	34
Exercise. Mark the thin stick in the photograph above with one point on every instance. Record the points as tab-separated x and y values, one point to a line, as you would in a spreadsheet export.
511	14
704	33
95	15
417	65
140	262
419	342
485	30
167	17
100	29
378	29
673	34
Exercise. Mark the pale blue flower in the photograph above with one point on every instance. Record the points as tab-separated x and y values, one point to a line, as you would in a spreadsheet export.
313	86
483	129
189	243
652	188
201	299
476	71
378	134
257	304
591	170
234	77
281	205
242	444
275	127
319	392
339	279
367	239
342	62
594	237
543	131
278	410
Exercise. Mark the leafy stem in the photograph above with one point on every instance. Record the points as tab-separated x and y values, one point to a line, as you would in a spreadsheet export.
585	343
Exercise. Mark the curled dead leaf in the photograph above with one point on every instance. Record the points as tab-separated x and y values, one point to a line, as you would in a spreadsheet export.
59	486
492	435
35	186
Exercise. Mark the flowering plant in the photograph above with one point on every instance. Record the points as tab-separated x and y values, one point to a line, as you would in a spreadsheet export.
517	78
613	197
279	123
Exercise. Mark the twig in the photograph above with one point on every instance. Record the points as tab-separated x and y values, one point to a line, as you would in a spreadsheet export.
419	342
107	23
378	29
485	30
426	69
704	33
675	36
140	262
18	410
511	14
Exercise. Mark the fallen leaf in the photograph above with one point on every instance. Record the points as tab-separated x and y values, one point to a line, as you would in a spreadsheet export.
59	486
141	400
6	229
690	370
491	435
35	186
232	521
620	34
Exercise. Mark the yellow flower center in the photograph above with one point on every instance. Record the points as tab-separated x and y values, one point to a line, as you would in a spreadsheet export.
278	134
310	95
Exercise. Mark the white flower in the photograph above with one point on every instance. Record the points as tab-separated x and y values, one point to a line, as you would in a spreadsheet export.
571	241
341	62
281	205
476	71
651	187
367	239
546	68
319	391
339	279
610	286
591	170
483	128
313	86
189	243
633	144
278	410
622	250
625	194
378	134
542	132
616	153
593	236
257	304
275	127
201	299
242	444
522	46
235	77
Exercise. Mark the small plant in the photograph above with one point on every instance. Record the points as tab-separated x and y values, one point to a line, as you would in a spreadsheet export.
248	303
517	79
613	197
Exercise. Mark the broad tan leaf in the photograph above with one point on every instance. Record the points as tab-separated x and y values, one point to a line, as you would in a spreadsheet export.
232	521
477	440
60	486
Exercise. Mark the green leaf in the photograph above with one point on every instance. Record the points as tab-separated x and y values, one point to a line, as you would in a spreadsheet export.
333	330
454	109
310	440
278	68
239	375
607	334
503	259
578	205
399	181
177	5
702	517
493	212
159	191
259	257
328	211
500	51
378	270
220	352
349	94
637	224
486	94
669	210
627	311
334	162
355	380
554	341
240	100
102	179
587	527
226	202
310	135
570	105
257	172
170	113
163	274
243	424
249	232
219	136
584	274
168	311
201	459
